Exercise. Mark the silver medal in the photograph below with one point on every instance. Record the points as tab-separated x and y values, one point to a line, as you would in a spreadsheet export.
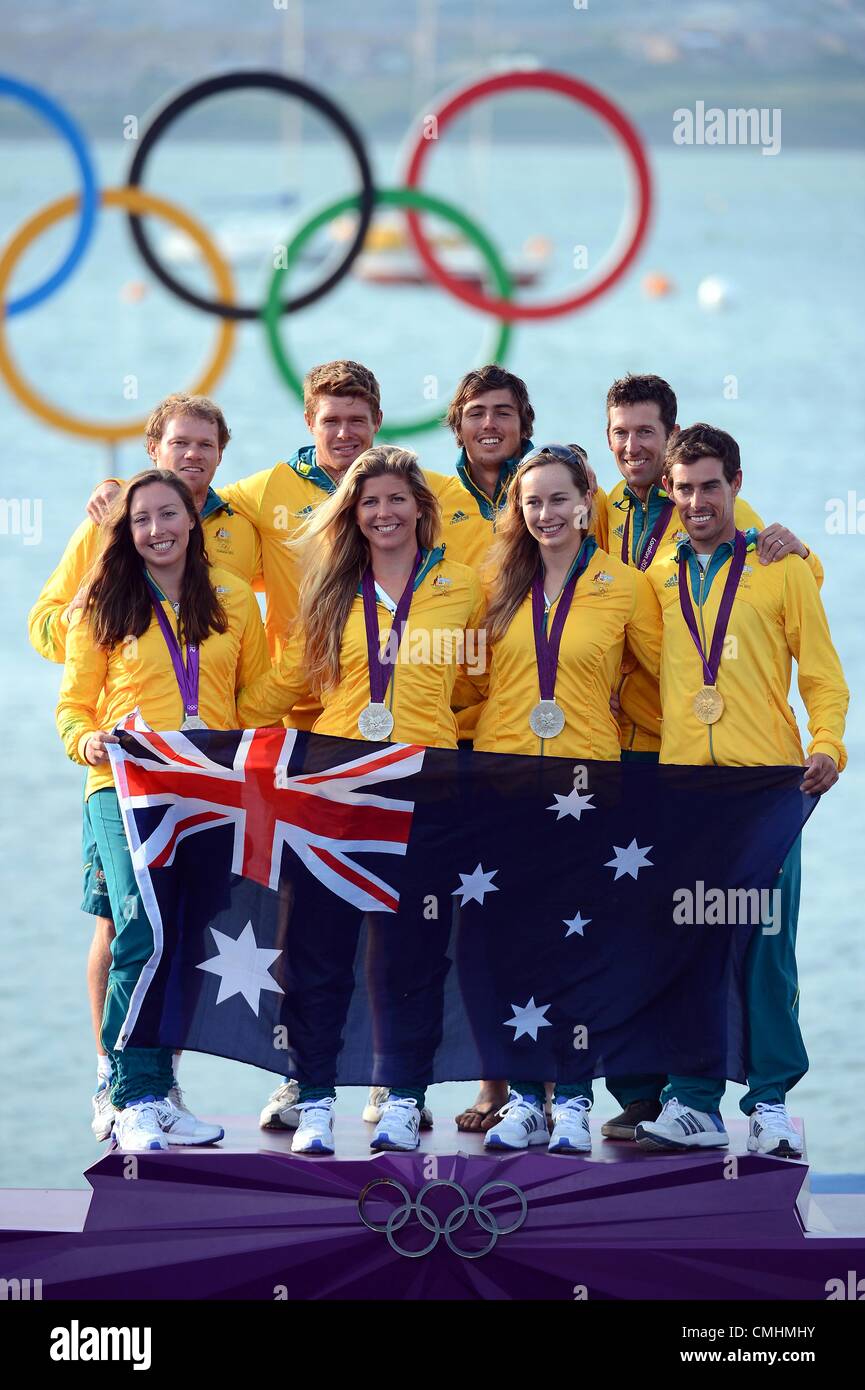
547	719
375	722
192	721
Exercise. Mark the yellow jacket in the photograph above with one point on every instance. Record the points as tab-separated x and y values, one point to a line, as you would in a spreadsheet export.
469	518
447	602
469	515
231	542
640	719
611	602
100	687
777	615
277	501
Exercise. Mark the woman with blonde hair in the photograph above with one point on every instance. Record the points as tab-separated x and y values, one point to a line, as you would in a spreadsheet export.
370	553
559	612
163	632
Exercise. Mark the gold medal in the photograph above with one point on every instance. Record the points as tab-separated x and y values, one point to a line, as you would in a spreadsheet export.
708	705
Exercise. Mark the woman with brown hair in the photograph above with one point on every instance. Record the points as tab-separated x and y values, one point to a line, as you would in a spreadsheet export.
559	612
370	553
163	632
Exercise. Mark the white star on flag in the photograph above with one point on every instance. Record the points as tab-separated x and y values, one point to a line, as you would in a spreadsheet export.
528	1020
242	967
572	805
629	861
576	924
474	886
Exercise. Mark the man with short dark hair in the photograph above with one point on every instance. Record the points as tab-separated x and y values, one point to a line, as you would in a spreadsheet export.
641	526
732	628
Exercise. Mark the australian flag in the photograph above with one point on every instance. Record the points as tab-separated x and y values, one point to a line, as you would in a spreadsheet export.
355	913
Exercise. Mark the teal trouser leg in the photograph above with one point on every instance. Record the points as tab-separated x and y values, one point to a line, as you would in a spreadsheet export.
776	1054
626	1089
536	1091
697	1092
404	1093
135	1071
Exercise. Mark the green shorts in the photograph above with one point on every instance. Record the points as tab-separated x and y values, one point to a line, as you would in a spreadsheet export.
95	901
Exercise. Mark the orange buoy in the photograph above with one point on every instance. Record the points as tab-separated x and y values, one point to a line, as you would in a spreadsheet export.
655	285
133	291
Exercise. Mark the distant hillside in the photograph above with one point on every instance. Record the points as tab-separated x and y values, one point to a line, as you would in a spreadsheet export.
383	60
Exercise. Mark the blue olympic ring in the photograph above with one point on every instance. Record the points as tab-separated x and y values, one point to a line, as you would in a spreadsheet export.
488	1221
89	205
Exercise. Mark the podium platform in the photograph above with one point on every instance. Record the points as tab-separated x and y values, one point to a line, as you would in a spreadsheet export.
250	1220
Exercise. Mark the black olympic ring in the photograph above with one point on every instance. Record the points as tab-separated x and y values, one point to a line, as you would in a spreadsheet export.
288	86
428	1219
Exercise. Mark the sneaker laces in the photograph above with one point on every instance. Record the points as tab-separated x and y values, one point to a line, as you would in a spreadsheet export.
774	1117
284	1092
147	1110
579	1104
400	1102
672	1110
323	1103
517	1103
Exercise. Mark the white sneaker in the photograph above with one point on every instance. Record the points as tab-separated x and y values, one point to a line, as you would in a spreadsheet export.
180	1126
377	1097
104	1113
771	1131
314	1133
399	1125
137	1128
571	1133
679	1127
522	1123
281	1111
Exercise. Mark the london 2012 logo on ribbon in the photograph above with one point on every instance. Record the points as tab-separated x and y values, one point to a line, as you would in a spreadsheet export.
486	1218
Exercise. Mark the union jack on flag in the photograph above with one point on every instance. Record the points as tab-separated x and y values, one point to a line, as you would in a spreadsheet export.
326	817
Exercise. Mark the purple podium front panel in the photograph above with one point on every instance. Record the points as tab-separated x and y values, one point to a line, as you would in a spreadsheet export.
250	1220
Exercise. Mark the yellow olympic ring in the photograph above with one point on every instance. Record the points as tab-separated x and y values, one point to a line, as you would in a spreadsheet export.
133	200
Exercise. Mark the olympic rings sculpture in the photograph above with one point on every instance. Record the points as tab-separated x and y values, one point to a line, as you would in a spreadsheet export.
135	202
487	1220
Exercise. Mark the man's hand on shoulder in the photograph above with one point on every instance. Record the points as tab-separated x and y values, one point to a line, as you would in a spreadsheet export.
776	542
99	502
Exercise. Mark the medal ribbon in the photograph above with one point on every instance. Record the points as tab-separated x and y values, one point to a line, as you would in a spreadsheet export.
380	669
652	543
737	564
187	676
547	646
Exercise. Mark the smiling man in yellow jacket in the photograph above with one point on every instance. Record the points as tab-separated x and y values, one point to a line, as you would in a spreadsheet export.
732	628
639	523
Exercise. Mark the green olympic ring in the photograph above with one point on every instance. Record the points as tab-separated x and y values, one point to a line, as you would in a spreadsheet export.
393	197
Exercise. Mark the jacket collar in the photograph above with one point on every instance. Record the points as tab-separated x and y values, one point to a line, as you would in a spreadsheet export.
214	503
489	506
304	464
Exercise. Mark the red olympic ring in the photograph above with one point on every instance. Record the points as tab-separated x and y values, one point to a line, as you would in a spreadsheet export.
582	93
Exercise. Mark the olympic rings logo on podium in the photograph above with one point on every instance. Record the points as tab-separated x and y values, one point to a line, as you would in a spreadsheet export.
135	202
487	1220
